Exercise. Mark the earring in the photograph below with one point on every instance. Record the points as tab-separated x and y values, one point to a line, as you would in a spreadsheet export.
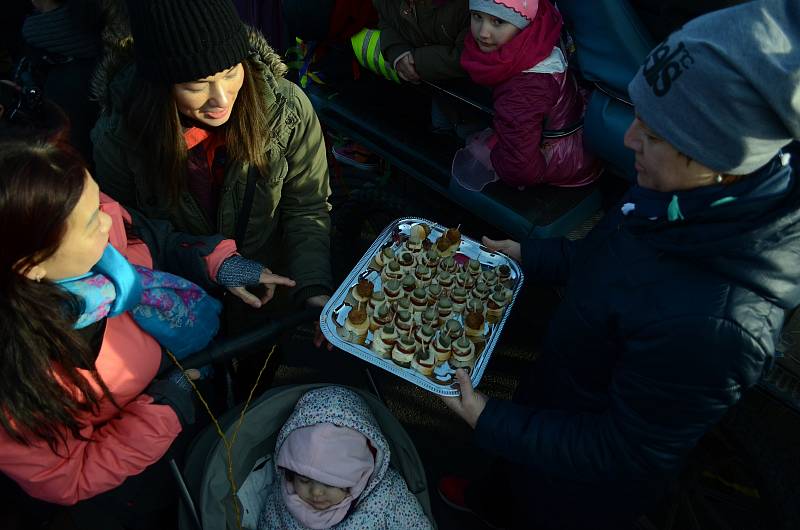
718	179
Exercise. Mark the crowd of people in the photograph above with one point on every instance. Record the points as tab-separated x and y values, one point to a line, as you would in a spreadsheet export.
202	204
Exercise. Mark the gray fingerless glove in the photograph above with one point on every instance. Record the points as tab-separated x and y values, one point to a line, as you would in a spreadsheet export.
237	271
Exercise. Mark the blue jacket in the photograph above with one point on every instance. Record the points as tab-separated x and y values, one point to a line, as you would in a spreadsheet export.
662	327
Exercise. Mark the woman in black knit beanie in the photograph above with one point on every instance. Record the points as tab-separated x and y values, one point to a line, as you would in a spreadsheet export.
200	127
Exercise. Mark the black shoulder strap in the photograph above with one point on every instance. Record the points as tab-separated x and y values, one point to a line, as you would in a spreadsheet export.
247	205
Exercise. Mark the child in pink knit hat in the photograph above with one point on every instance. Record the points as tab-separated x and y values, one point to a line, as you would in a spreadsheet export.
514	48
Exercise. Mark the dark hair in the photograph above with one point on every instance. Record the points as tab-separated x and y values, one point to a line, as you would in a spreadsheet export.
43	390
153	118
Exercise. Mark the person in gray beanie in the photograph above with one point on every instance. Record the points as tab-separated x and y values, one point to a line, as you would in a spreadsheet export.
674	302
726	95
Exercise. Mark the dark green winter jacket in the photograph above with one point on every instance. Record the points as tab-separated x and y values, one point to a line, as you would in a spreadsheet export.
289	226
433	33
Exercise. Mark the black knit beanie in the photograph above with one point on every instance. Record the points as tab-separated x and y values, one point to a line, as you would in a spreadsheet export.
176	41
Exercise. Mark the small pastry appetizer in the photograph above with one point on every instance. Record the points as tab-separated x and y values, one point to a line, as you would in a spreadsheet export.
420	231
423	275
448	243
434	293
392	271
495	305
446	280
490	277
381	317
503	274
444	309
503	290
404	350
383	341
423	362
459	298
473	268
441	347
378	297
424	336
362	291
356	326
403	321
409	283
403	304
473	326
453	329
419	302
406	261
381	258
481	291
465	280
429	258
392	290
463	354
430	317
448	264
414	244
453	235
475	305
427	245
443	247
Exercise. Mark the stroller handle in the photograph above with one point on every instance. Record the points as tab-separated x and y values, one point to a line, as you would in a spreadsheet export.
226	349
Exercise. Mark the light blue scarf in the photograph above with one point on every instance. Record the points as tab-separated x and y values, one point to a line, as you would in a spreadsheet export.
174	311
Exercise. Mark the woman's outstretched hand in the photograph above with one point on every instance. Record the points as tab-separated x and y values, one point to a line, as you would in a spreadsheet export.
510	248
470	404
269	281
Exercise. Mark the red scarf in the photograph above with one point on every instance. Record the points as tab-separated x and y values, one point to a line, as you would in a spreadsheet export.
527	49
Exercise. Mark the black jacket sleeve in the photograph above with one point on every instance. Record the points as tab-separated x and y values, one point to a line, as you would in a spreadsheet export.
175	252
655	414
547	260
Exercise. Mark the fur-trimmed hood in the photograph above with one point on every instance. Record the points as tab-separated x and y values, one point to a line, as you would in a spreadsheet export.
110	85
289	209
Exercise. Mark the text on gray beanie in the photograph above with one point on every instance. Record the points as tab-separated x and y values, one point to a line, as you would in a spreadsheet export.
725	89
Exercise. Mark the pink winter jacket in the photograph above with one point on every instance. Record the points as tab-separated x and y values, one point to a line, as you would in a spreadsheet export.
122	442
525	105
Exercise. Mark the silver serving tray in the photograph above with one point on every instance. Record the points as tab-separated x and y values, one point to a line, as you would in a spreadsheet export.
441	382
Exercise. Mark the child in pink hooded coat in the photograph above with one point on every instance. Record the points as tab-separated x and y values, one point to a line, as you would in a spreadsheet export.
332	464
514	49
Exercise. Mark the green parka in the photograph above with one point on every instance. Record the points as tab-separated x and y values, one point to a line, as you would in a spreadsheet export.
433	32
289	224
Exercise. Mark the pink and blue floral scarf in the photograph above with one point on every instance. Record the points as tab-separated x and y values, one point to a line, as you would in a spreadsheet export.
180	315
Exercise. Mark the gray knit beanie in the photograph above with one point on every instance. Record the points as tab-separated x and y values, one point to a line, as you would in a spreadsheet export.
725	89
176	41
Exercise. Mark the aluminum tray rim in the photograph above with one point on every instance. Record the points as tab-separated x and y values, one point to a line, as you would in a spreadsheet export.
328	325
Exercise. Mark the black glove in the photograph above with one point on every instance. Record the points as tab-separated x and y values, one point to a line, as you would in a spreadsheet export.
176	392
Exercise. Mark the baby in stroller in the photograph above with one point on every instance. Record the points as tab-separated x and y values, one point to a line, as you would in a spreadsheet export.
332	464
